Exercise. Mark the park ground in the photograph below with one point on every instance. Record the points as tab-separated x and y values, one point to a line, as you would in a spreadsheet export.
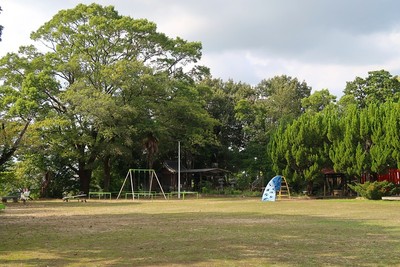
201	232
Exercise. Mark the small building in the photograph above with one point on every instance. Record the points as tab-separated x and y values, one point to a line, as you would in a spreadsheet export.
335	183
191	179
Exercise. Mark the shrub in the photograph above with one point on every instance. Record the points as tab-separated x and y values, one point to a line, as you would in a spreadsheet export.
206	187
375	190
243	181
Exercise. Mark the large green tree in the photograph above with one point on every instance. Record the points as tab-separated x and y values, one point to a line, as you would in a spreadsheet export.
364	125
345	137
379	87
221	100
347	151
300	150
392	134
318	101
22	97
365	140
280	98
115	77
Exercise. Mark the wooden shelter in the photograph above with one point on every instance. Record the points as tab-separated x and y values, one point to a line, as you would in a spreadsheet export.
335	183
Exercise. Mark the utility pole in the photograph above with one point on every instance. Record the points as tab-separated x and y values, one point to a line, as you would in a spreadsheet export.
179	169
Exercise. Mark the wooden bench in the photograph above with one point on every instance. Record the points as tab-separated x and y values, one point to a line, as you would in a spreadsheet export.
6	198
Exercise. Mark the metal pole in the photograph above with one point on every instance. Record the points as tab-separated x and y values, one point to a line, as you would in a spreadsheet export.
179	169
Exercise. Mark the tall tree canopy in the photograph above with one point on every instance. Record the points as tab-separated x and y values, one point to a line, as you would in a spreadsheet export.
357	136
1	26
318	101
222	99
20	100
281	97
110	80
379	87
300	150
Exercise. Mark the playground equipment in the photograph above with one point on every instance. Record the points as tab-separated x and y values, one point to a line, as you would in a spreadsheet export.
140	179
284	191
276	185
257	183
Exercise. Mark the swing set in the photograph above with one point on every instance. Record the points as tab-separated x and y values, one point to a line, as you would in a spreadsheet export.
141	180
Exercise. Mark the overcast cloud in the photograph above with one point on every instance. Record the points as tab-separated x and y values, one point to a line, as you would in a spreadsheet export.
323	42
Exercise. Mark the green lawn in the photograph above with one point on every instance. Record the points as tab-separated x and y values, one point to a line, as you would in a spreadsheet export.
201	232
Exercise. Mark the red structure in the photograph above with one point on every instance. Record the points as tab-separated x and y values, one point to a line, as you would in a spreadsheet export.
392	176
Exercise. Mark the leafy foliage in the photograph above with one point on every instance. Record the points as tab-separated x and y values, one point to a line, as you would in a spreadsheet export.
375	190
110	80
1	27
301	149
379	87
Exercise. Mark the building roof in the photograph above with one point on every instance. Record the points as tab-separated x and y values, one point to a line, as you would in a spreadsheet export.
172	166
330	171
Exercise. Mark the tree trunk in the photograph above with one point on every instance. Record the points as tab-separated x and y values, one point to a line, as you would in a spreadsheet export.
84	180
85	170
310	188
151	146
106	173
44	189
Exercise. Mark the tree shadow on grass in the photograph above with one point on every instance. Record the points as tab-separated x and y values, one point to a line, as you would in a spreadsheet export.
197	238
38	206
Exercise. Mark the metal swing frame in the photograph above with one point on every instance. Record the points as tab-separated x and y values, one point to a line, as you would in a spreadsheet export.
130	176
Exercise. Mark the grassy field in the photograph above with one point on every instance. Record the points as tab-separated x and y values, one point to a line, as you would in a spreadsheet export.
201	232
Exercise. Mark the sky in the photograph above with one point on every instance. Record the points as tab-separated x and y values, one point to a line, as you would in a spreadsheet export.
325	43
